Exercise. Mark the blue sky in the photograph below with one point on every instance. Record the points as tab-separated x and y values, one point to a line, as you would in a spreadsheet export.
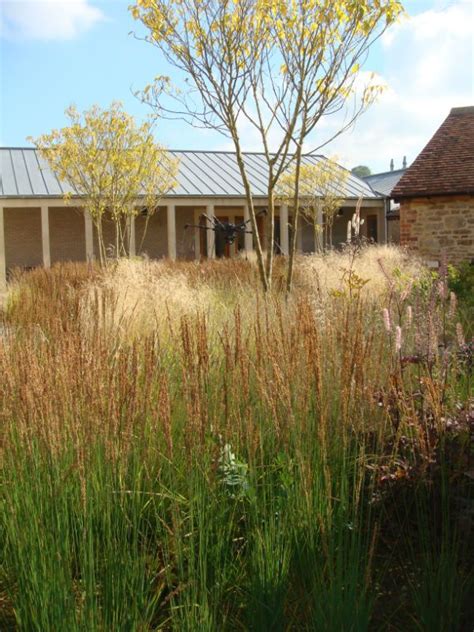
57	52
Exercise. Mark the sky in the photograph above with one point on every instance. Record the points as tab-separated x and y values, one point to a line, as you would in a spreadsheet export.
57	52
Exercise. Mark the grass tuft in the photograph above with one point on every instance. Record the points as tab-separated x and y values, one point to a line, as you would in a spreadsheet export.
180	452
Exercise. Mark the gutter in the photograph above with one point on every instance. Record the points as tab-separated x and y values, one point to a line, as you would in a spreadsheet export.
413	196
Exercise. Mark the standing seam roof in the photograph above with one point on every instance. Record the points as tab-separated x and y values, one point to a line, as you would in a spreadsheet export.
385	182
25	174
223	167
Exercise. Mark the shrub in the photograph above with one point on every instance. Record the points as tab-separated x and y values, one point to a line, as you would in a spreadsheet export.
461	282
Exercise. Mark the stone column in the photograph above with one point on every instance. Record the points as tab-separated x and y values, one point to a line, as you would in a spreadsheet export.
210	234
171	217
299	236
133	246
382	228
284	241
3	261
45	237
248	237
318	246
197	236
89	230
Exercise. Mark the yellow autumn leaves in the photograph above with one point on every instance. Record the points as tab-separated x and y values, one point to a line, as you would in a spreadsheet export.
115	165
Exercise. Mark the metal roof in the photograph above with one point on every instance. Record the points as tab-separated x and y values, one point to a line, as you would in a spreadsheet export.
24	174
384	183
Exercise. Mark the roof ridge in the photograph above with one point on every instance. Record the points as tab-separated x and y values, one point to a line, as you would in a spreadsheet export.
384	173
467	109
180	151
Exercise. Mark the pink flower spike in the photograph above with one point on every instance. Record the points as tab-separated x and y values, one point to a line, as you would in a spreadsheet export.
386	320
453	301
398	339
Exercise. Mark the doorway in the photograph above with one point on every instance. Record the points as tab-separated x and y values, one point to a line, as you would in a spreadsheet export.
220	247
372	228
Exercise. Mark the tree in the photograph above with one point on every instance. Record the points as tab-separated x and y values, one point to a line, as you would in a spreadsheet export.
112	164
320	196
361	171
279	66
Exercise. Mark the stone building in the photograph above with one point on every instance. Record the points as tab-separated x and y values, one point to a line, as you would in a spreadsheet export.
38	228
436	193
384	183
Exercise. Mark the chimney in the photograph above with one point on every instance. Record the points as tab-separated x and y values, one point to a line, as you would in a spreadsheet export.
392	165
404	162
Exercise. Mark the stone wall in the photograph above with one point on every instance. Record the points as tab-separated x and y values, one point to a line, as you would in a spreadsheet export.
67	234
429	226
339	232
155	243
151	237
393	230
185	237
23	246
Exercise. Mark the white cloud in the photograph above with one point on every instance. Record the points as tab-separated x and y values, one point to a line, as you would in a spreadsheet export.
427	61
47	19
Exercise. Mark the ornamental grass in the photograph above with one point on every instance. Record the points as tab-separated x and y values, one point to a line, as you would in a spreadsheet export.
180	452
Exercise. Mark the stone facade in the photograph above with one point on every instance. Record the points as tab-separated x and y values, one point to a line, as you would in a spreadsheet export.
67	234
184	237
32	235
393	230
339	232
23	247
432	225
154	242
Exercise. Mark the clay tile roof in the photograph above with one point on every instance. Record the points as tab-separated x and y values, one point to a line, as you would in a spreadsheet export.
446	164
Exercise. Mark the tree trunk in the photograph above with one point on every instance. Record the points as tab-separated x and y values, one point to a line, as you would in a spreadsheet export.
145	229
251	208
296	209
270	234
117	238
100	241
128	243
